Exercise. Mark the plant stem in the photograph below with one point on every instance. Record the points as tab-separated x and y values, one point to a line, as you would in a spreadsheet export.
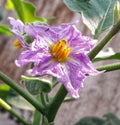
22	92
37	118
9	109
56	102
110	67
42	97
104	41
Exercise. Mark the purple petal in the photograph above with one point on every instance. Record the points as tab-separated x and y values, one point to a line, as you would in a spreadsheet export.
41	43
29	56
47	67
64	31
36	30
66	80
72	35
17	26
25	58
84	63
75	75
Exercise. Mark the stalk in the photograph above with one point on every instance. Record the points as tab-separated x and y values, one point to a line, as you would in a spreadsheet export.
22	92
110	67
56	103
104	41
11	111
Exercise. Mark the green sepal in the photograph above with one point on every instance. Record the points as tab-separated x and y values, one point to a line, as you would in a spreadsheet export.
28	40
36	85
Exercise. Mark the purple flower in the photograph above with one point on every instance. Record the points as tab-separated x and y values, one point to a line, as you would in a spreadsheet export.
61	52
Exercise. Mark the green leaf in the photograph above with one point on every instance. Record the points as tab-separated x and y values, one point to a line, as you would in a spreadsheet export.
90	121
9	5
1	15
5	30
25	10
96	14
18	101
112	119
36	85
4	91
109	119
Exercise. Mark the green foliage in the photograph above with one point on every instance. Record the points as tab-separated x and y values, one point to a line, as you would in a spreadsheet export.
36	85
9	5
90	121
25	10
5	30
109	119
96	14
1	16
4	91
18	101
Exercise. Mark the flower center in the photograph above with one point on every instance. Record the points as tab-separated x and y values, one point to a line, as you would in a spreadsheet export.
17	44
60	50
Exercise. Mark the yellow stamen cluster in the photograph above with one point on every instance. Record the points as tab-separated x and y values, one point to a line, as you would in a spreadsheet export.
60	50
17	44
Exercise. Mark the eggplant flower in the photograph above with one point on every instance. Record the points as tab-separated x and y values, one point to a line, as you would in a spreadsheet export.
61	52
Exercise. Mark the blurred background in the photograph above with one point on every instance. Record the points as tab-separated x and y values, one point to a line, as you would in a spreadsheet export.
100	95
